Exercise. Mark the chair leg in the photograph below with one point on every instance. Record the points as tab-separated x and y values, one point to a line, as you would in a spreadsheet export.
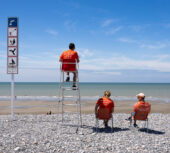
131	122
97	122
112	124
147	122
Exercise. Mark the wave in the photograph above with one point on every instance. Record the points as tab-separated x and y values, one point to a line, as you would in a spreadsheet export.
84	98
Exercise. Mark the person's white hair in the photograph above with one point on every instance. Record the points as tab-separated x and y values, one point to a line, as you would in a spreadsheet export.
140	95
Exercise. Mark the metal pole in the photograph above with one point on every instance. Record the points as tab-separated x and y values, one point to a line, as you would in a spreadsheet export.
12	95
62	96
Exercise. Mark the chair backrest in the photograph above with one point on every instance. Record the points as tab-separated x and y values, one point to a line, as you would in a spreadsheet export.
104	113
142	112
69	65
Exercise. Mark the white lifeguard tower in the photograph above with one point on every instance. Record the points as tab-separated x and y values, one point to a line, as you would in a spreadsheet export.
73	98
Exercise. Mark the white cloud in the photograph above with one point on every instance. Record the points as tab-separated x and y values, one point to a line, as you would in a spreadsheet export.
84	53
122	63
107	22
108	72
155	46
162	56
70	25
46	64
113	30
138	28
142	44
52	32
127	40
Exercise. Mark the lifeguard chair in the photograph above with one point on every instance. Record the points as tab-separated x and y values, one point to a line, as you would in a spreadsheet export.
73	67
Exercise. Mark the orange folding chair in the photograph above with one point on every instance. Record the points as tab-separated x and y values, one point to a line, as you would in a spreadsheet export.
141	114
103	114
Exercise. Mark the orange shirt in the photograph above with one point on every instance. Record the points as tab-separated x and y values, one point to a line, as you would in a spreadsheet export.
141	109
105	103
69	56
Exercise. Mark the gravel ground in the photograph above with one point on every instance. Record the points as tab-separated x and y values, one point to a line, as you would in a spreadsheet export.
46	133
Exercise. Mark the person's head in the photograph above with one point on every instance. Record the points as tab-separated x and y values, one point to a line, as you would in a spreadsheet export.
107	93
72	46
141	96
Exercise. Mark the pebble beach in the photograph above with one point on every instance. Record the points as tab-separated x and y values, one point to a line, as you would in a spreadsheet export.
47	134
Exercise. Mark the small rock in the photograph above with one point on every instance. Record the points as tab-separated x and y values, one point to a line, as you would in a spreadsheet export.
48	145
17	149
36	143
12	136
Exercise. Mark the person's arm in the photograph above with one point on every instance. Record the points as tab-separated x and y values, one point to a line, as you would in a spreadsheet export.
96	109
112	110
77	57
134	110
61	58
149	108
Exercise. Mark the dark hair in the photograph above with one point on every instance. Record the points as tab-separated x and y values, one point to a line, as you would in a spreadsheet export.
71	46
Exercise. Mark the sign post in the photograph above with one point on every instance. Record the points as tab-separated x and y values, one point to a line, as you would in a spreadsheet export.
12	55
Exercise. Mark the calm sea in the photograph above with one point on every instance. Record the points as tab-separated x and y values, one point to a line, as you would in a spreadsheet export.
89	91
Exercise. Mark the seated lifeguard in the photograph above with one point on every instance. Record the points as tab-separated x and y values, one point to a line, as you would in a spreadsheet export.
69	59
141	109
107	103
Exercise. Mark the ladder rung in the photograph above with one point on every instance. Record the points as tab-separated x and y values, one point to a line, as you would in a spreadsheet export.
68	111
68	81
69	88
69	97
70	104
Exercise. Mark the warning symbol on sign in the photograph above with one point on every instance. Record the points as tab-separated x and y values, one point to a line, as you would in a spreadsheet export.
12	51
12	41
12	22
12	31
12	61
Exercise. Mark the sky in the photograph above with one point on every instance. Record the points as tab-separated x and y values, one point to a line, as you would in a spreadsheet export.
117	40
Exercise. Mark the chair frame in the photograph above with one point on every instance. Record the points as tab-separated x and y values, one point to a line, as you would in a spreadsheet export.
97	123
146	124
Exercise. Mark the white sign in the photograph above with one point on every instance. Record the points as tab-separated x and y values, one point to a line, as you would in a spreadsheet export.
12	43
12	31
12	51
12	62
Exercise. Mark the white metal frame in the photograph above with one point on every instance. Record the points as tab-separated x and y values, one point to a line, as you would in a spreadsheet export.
146	124
76	89
97	123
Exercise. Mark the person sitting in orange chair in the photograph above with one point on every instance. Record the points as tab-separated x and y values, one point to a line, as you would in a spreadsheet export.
140	110
68	58
107	103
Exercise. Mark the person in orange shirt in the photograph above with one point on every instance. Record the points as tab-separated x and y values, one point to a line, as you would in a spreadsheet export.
140	110
70	56
105	102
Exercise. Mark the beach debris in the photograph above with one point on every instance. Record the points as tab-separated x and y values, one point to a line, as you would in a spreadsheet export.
49	113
